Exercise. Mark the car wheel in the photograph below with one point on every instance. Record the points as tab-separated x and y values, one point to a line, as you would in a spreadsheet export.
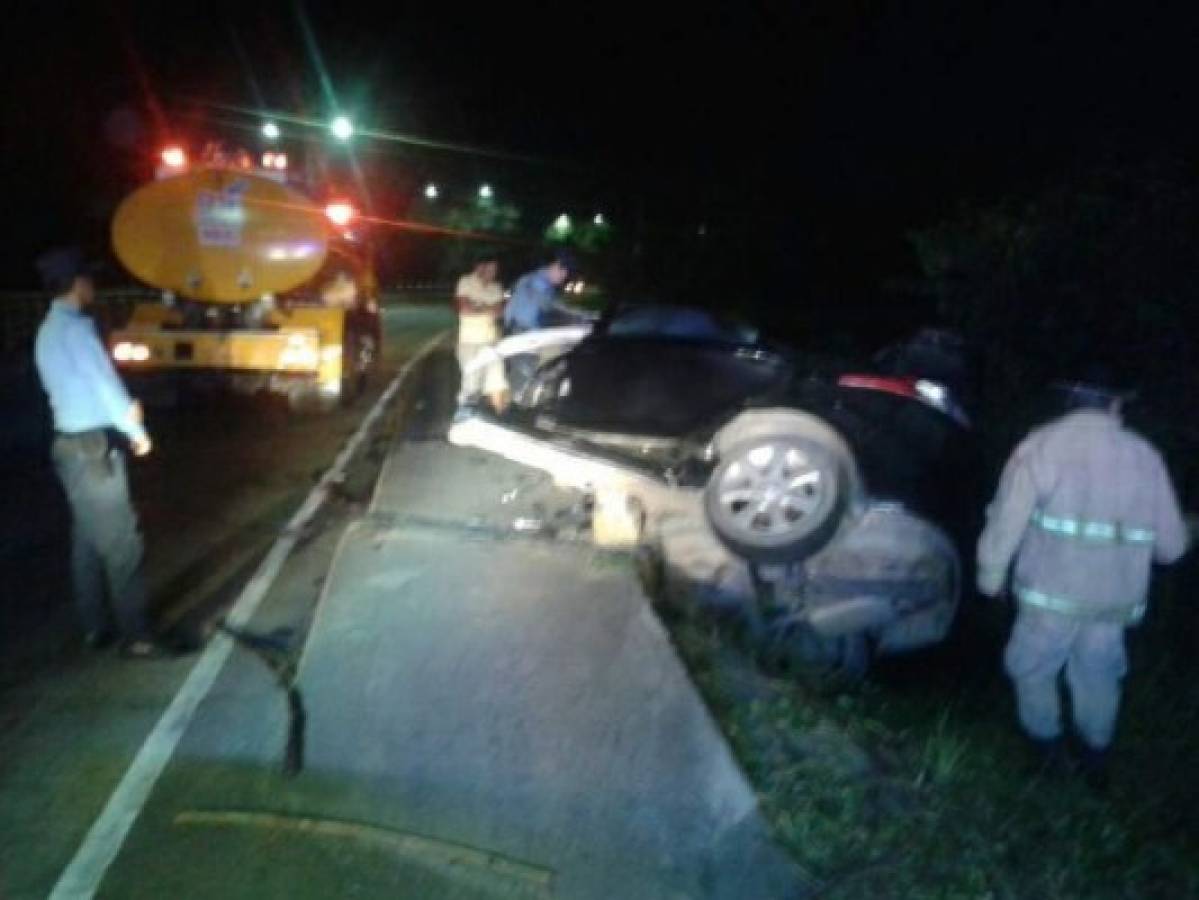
777	498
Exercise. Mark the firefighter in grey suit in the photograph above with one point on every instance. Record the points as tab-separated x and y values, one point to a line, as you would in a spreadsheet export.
1083	510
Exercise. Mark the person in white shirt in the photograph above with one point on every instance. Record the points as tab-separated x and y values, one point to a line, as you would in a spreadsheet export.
480	301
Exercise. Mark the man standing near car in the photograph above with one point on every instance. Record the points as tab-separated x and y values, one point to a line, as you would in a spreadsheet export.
480	301
534	303
1084	508
90	406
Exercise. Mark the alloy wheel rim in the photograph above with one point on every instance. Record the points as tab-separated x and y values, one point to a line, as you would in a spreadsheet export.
771	490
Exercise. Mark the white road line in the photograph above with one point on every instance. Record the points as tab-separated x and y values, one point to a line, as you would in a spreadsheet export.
81	878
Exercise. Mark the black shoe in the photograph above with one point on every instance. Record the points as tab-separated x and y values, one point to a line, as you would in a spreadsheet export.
1092	763
98	640
144	649
1050	757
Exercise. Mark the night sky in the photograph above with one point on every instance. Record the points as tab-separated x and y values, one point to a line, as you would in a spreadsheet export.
806	137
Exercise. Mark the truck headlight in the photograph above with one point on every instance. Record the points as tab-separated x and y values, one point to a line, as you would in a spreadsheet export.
299	353
130	351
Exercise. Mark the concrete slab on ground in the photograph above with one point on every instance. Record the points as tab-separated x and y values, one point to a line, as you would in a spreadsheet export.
521	698
489	715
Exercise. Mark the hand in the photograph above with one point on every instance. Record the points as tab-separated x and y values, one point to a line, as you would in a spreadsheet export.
141	446
990	582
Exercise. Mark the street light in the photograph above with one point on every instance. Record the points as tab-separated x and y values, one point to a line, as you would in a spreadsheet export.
430	191
270	131
485	192
342	128
559	229
599	219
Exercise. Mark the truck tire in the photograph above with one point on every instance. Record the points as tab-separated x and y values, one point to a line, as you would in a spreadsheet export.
778	494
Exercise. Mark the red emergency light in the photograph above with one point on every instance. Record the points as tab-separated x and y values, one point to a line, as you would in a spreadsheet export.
340	212
174	157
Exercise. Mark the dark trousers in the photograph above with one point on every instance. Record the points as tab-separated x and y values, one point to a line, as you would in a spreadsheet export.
106	546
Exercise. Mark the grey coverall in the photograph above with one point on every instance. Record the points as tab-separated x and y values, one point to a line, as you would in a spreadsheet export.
1084	508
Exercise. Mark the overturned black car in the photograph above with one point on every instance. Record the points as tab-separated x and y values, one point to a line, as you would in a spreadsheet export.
843	485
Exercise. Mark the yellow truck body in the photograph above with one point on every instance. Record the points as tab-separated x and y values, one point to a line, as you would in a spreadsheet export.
260	290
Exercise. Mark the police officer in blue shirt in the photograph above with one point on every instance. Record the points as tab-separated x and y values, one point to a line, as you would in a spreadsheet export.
534	302
92	411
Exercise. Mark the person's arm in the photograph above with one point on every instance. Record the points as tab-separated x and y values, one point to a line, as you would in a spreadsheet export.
517	311
470	303
473	306
1007	519
1171	535
462	300
490	305
554	306
94	364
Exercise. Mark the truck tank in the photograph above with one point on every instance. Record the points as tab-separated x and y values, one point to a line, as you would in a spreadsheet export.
263	290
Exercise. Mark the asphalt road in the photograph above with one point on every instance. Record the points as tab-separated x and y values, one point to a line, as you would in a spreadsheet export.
490	710
221	483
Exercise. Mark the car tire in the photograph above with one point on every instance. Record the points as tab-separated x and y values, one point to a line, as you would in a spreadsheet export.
778	497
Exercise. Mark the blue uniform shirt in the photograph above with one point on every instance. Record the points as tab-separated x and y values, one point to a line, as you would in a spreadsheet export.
84	389
534	304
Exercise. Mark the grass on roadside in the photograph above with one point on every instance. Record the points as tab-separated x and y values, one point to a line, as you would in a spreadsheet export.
915	783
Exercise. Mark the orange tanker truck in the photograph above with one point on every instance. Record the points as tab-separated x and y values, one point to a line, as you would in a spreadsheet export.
262	287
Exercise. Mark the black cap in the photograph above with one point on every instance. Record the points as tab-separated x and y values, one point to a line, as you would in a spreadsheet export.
61	266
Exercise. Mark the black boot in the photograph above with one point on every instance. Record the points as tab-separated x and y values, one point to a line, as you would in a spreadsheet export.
1092	762
1050	757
